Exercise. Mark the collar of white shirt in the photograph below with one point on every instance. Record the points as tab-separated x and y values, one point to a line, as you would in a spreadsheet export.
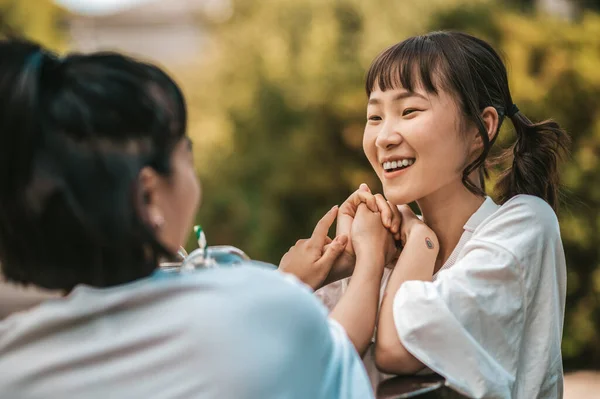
485	210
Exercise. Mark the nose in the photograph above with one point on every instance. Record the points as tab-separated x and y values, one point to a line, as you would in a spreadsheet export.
388	137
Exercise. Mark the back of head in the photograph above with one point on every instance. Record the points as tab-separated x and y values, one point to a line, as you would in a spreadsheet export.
74	134
475	75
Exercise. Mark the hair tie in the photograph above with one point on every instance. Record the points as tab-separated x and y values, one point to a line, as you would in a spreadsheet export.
512	111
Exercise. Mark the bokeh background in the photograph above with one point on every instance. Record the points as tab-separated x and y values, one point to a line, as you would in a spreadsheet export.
277	104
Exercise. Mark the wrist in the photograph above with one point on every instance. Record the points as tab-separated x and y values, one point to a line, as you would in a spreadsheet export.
369	265
367	250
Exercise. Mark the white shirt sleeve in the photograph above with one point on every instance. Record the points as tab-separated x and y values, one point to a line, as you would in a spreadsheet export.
467	325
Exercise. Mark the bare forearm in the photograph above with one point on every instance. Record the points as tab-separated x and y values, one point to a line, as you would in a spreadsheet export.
357	309
416	262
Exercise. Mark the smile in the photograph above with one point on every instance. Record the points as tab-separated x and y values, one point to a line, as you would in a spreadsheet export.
392	166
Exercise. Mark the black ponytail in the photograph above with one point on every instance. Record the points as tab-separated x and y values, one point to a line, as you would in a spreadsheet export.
535	157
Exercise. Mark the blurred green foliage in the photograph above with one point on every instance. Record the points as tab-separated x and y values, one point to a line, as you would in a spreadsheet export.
278	108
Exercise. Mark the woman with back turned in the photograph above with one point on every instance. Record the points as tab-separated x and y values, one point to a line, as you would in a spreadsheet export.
97	184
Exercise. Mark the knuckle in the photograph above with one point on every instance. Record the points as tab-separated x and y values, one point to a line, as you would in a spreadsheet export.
312	246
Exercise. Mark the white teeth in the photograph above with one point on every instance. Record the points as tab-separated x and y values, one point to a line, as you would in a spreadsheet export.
397	164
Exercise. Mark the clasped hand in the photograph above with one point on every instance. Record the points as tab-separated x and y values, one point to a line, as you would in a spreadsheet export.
367	226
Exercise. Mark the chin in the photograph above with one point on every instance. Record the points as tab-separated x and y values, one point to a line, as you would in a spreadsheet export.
399	196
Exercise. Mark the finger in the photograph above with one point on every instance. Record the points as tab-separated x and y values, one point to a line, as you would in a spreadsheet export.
333	251
363	197
319	234
396	220
327	240
385	210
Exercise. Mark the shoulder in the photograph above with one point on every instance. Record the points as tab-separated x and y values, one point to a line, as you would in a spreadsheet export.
246	292
261	314
524	217
530	209
525	229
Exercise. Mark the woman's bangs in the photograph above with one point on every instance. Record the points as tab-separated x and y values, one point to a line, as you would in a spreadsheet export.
407	65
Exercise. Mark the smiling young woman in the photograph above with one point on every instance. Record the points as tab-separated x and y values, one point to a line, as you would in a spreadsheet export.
477	291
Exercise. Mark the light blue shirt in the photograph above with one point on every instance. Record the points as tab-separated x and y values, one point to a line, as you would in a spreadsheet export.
217	333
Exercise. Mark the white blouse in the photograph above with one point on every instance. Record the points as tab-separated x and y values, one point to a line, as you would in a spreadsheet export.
491	321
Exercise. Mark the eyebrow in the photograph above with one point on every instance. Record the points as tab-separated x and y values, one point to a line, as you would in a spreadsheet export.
397	97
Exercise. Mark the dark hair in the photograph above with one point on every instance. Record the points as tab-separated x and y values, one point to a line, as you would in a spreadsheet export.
472	71
74	134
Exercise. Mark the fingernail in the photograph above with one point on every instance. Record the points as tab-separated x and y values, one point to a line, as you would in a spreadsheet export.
334	208
342	239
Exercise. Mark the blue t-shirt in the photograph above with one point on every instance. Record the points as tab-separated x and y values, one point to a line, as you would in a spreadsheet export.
217	333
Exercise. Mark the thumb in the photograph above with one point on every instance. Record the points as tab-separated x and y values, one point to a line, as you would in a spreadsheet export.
333	251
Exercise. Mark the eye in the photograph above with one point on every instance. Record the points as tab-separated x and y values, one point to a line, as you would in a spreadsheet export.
409	111
374	118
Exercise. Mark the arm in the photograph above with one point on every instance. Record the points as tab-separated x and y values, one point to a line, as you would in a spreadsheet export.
357	309
416	262
468	324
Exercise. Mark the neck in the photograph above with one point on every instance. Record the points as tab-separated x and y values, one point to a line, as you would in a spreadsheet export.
445	212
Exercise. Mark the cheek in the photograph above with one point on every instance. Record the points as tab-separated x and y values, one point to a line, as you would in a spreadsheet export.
370	148
190	193
442	148
183	204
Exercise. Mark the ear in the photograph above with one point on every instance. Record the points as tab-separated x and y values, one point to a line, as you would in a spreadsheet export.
490	121
149	182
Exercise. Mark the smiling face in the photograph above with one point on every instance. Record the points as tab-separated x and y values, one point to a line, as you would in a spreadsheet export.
414	142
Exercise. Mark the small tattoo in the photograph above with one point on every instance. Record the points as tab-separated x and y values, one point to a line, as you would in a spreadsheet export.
429	243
